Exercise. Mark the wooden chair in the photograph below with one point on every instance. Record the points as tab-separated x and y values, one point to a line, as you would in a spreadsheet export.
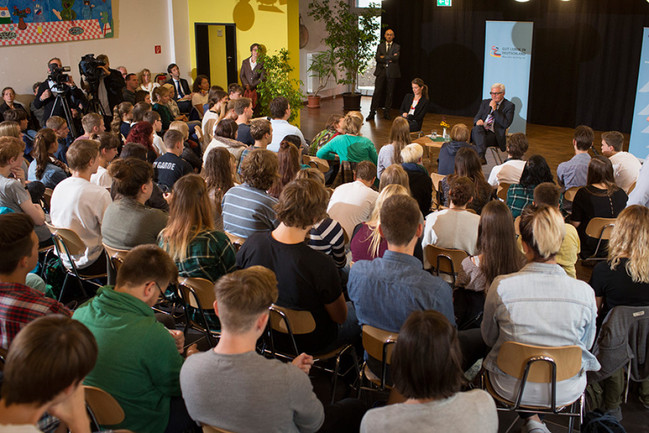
315	162
102	407
501	192
212	429
198	293
437	189
46	200
115	258
68	243
378	344
538	364
600	229
446	261
295	322
631	188
237	241
570	193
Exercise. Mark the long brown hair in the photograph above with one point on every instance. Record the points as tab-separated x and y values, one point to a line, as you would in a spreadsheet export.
467	163
218	174
399	137
44	139
118	112
600	170
424	87
496	243
289	164
190	213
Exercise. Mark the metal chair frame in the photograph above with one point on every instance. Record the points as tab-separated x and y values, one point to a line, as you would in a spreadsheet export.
187	292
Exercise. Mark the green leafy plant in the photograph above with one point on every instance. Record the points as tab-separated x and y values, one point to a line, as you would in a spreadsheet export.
352	37
324	67
278	83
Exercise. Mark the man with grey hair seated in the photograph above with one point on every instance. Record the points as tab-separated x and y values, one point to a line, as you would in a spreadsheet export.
490	124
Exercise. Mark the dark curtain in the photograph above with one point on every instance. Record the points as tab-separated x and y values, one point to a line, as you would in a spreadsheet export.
585	56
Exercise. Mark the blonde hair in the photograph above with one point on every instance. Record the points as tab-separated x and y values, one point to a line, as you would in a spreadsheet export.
375	218
9	128
412	153
352	123
182	127
394	174
399	137
542	229
629	240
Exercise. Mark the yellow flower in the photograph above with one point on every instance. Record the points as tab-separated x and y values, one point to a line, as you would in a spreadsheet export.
444	124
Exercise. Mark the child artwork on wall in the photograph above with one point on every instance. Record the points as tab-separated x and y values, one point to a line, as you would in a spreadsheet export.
44	21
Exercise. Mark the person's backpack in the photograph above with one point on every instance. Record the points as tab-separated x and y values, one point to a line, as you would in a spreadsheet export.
599	422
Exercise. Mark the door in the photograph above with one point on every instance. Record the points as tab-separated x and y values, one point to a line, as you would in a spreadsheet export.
216	54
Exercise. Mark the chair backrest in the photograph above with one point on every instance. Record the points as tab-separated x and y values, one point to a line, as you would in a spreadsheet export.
378	343
501	192
212	429
67	240
513	358
47	197
197	292
105	409
570	193
315	162
437	187
237	241
300	322
517	225
445	261
115	255
631	188
600	228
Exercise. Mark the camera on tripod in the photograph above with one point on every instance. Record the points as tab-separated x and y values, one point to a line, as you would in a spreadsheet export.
89	68
58	77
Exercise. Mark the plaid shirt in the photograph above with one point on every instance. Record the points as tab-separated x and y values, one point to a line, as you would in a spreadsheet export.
518	197
19	305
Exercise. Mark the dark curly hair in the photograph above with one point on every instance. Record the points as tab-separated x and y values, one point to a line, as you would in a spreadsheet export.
260	169
302	203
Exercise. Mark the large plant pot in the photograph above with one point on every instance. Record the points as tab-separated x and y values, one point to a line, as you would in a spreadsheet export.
313	101
351	101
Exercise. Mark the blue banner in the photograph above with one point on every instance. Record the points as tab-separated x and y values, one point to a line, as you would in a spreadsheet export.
508	57
640	126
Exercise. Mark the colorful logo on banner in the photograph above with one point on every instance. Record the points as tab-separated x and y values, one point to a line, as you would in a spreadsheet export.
494	51
639	143
40	21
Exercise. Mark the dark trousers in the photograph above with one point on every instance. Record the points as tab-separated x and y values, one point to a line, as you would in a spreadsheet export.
179	419
343	416
383	87
483	139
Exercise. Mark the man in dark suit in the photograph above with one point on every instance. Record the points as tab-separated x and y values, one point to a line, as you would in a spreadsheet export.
110	88
490	124
387	71
183	96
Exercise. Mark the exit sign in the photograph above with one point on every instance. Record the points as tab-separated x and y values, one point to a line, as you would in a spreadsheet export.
444	3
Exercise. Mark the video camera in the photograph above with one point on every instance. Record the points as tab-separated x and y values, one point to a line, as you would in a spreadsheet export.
89	68
59	77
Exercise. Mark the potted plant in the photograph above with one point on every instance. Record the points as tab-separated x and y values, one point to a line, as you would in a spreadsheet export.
324	67
277	67
352	39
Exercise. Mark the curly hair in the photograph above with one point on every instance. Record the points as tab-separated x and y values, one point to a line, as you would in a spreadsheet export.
629	240
302	203
260	169
142	133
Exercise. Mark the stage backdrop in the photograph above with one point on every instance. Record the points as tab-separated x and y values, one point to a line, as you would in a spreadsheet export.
640	128
508	56
42	21
584	69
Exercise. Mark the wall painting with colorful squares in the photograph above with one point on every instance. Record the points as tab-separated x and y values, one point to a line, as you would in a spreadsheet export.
42	21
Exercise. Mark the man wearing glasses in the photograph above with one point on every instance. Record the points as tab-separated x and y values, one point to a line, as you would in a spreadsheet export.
491	122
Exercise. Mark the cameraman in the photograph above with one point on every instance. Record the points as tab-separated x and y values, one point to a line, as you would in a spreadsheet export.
110	87
45	98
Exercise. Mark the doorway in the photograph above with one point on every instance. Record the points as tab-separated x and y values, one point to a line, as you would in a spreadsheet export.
216	53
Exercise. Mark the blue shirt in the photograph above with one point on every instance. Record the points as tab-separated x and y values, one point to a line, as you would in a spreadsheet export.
386	290
574	172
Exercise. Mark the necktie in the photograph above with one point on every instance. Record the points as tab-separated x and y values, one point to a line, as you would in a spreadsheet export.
179	88
389	45
489	122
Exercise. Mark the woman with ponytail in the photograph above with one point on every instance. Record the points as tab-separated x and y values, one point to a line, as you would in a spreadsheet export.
122	118
415	106
45	168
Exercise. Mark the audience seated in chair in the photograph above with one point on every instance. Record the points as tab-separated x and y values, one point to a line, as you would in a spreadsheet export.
261	132
460	135
170	167
391	153
219	175
421	185
352	203
45	167
79	205
224	136
108	149
426	368
139	360
333	127
454	227
575	171
511	170
467	163
47	362
280	112
540	305
626	166
387	289
520	195
308	279
20	304
350	146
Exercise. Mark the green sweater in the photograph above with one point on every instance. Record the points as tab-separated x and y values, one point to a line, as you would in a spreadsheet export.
138	362
350	148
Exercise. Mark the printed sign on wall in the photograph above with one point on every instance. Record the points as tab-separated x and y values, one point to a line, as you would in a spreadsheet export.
639	143
43	21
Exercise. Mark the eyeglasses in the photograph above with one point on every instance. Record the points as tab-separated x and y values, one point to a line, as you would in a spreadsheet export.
160	289
496	93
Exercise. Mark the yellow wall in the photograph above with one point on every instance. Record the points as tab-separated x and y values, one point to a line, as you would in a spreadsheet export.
218	63
272	23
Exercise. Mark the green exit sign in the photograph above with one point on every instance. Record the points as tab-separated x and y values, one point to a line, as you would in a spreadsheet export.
444	3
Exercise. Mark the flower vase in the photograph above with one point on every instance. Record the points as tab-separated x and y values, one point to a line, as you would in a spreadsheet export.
444	134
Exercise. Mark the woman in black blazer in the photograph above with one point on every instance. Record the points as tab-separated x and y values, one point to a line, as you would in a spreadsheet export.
415	105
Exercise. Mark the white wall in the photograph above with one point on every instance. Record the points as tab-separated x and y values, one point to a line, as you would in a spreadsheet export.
139	26
316	33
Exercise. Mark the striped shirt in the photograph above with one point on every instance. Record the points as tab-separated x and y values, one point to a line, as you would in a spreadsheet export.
328	237
19	305
248	210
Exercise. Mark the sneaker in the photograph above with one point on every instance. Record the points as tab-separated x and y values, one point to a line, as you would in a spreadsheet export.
615	413
533	426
